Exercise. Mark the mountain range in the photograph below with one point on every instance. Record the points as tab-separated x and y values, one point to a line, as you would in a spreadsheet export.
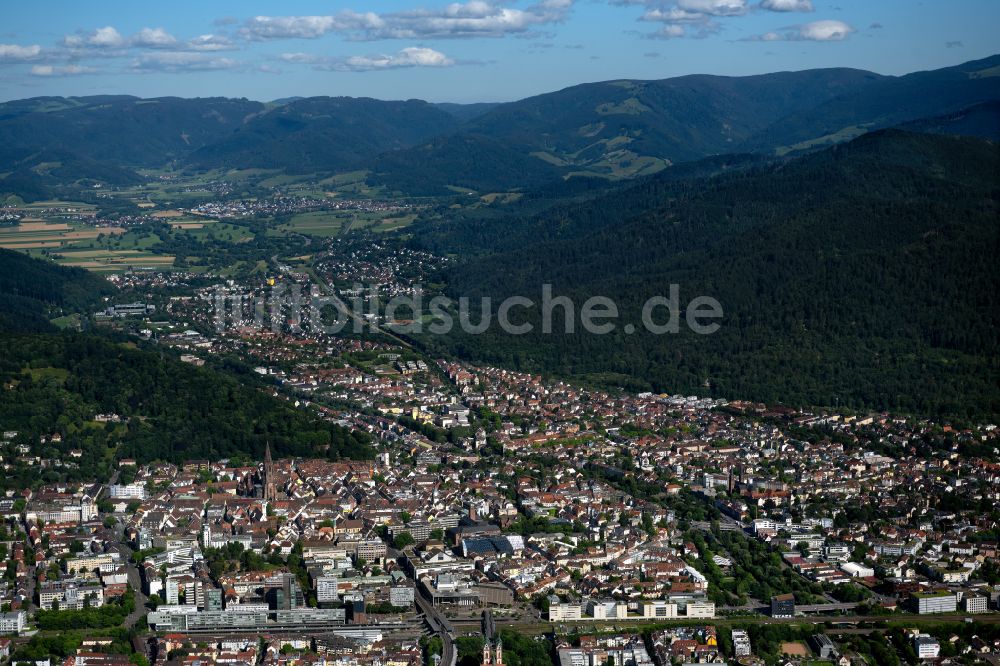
615	129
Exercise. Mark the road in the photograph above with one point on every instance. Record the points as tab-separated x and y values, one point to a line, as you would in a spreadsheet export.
134	580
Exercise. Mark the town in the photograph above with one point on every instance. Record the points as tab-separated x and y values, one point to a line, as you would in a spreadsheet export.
502	512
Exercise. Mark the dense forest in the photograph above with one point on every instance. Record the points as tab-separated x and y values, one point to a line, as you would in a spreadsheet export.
863	276
32	292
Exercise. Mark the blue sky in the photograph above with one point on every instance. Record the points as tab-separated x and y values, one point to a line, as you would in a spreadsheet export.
472	50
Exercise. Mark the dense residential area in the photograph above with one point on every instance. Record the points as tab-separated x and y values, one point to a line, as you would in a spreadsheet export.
502	502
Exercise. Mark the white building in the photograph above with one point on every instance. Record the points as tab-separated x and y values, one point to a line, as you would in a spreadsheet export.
975	603
741	643
855	570
13	623
559	612
607	610
926	647
659	609
101	562
70	595
701	609
326	589
943	602
127	491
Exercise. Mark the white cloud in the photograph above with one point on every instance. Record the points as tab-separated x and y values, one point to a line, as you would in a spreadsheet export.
102	38
108	42
413	56
180	61
473	18
209	43
303	58
688	18
307	27
817	31
714	7
16	52
787	5
408	57
155	38
67	70
671	31
825	31
672	15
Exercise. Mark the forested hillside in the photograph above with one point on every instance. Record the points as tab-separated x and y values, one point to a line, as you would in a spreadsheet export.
892	101
325	134
864	275
174	411
117	130
58	382
33	291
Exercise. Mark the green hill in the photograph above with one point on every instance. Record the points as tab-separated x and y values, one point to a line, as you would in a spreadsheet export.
615	129
982	120
465	161
632	128
891	101
117	130
325	134
33	291
607	127
863	275
56	382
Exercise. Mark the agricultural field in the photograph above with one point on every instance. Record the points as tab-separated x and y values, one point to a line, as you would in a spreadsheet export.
34	234
317	223
74	243
334	223
203	228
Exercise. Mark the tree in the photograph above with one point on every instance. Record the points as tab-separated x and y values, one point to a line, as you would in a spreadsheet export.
402	540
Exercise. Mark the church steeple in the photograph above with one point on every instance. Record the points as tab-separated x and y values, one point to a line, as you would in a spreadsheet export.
269	482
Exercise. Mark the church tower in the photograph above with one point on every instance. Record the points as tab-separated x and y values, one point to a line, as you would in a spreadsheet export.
487	657
270	489
498	661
